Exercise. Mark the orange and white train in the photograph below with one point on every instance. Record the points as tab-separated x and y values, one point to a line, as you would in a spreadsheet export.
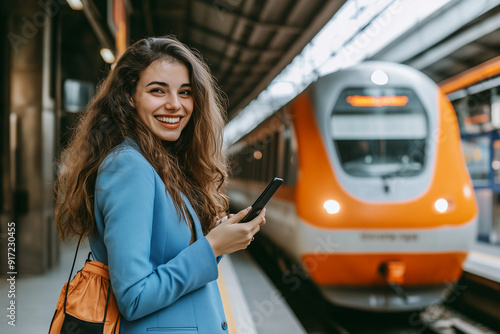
377	206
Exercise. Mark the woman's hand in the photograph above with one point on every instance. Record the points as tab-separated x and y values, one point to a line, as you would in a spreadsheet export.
229	236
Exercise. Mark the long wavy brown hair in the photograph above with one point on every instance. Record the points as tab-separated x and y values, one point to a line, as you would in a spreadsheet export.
193	165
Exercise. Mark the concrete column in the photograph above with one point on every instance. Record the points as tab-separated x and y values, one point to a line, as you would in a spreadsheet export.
32	133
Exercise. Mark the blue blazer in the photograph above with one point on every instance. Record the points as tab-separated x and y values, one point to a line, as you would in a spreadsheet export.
161	283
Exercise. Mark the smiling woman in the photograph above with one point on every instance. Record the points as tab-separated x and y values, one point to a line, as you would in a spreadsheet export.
142	178
163	98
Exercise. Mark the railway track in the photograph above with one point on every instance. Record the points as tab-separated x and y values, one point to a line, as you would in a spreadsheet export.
445	320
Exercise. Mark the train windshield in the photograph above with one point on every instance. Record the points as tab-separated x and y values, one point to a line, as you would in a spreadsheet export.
380	132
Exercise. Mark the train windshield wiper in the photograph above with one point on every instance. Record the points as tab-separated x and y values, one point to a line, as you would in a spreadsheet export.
387	176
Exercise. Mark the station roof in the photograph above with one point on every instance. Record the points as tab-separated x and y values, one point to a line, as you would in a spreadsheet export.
459	36
245	42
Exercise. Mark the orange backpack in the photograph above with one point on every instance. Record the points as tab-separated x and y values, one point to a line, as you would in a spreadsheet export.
89	305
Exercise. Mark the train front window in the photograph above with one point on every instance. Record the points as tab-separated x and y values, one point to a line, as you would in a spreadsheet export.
379	132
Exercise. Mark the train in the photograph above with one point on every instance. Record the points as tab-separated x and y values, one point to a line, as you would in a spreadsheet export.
377	207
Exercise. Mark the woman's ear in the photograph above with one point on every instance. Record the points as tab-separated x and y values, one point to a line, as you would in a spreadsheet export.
131	101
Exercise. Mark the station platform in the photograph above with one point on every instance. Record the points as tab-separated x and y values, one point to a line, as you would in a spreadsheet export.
484	261
251	302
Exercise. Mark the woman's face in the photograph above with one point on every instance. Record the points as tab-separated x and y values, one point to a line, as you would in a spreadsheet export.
163	98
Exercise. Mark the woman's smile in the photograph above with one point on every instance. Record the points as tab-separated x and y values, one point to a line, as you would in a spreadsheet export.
169	122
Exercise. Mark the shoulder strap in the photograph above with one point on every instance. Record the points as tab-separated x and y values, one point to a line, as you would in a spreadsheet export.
71	272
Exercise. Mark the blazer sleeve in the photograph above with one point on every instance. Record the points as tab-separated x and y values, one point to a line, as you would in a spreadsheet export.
125	191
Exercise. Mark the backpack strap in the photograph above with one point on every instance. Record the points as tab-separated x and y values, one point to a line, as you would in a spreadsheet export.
107	301
71	273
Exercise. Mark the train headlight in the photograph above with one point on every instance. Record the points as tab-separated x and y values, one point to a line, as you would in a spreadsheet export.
441	205
331	206
379	77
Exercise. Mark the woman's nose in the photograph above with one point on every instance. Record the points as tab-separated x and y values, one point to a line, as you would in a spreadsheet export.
172	102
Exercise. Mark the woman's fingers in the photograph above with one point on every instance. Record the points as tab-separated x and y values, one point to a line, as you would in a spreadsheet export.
239	216
229	236
257	222
261	218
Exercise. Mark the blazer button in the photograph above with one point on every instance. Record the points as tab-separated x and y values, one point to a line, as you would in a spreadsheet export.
224	325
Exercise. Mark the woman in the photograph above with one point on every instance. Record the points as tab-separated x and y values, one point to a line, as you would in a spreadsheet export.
142	177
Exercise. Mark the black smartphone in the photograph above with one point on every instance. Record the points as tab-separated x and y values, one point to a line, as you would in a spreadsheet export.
264	197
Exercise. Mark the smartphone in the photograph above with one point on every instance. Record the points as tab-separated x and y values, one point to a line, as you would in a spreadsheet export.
264	197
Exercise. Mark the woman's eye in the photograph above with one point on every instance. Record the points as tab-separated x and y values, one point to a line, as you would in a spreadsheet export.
185	92
156	90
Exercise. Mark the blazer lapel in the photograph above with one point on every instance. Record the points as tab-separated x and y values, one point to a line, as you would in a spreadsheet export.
194	216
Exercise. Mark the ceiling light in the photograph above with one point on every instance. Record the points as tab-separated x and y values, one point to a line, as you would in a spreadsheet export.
107	55
257	155
75	4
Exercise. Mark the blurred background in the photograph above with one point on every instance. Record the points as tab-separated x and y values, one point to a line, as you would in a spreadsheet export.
263	53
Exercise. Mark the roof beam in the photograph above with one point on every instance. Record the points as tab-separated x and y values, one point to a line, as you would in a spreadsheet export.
148	18
448	47
326	13
92	14
432	31
239	46
252	22
232	42
486	47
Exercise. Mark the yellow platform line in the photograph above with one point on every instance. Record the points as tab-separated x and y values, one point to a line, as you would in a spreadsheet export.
226	303
485	259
